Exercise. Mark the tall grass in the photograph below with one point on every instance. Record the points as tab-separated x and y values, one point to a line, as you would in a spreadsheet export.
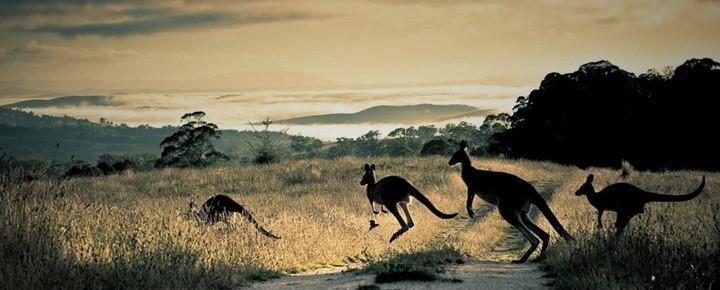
131	230
670	246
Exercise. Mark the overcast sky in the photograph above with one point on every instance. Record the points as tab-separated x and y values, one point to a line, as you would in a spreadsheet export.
348	41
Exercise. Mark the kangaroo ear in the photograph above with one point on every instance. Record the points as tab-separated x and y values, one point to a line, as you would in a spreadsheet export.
372	166
367	167
463	144
590	178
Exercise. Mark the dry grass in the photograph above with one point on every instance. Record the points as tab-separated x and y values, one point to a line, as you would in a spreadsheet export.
670	246
131	231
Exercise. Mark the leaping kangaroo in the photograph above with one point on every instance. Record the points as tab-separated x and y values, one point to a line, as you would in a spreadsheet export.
512	196
392	191
220	206
627	200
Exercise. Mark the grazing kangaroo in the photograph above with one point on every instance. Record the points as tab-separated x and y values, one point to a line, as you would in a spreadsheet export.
392	191
512	196
220	206
627	200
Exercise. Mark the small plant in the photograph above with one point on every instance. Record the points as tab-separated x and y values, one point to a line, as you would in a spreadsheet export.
369	287
390	277
414	266
626	169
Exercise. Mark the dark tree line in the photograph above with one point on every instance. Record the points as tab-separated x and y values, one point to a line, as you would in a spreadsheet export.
422	140
601	114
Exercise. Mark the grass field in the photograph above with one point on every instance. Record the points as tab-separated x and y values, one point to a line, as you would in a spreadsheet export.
132	230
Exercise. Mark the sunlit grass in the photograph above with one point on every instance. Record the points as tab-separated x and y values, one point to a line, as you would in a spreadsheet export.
132	231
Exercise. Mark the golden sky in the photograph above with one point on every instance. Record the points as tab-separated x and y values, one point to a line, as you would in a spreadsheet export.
348	41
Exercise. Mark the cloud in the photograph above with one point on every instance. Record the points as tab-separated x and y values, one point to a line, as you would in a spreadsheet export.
34	51
101	18
166	23
438	2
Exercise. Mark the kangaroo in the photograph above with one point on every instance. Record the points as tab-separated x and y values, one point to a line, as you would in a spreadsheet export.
627	200
512	196
392	191
220	206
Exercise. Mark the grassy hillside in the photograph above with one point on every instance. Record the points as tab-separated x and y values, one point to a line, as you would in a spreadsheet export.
132	230
28	136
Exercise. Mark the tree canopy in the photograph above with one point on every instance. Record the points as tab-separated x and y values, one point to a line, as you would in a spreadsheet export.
191	145
601	114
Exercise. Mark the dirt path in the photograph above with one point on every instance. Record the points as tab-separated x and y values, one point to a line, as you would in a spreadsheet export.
474	274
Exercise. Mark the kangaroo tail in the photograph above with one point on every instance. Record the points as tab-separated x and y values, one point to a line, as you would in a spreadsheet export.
414	192
684	197
545	209
246	214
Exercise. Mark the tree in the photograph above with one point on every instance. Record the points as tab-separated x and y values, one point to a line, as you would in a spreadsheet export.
425	133
106	122
191	144
600	115
305	146
343	146
486	138
369	144
266	146
407	141
460	131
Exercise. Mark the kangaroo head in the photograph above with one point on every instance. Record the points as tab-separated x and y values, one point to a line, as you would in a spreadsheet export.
460	156
194	211
369	176
192	208
586	188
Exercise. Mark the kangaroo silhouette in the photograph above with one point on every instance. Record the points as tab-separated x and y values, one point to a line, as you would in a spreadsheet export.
512	196
218	208
627	200
392	191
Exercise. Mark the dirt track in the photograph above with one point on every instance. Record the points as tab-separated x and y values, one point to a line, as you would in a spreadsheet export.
474	275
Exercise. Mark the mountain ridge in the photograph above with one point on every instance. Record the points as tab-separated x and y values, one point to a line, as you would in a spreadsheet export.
403	114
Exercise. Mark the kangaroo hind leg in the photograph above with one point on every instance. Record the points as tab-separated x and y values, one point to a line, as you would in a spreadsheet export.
513	217
544	236
403	227
622	221
404	207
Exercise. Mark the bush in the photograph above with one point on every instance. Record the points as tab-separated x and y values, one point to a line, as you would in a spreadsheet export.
444	147
82	170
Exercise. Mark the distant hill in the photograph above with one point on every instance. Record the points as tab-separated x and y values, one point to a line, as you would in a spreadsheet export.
393	114
67	101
